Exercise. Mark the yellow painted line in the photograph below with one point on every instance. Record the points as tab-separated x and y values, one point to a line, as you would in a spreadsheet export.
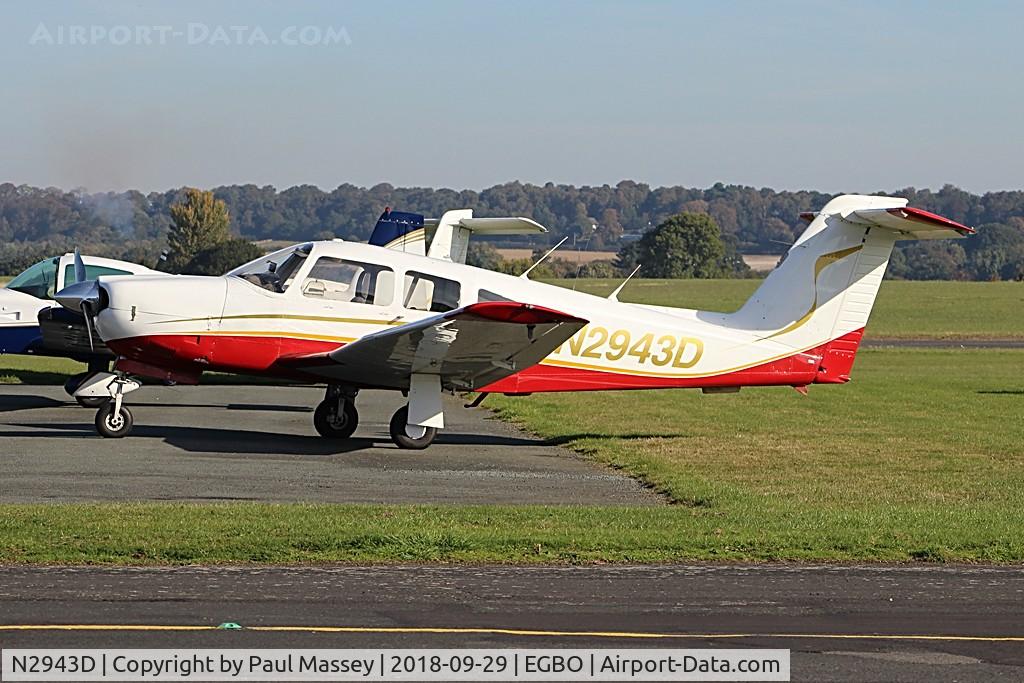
103	627
514	632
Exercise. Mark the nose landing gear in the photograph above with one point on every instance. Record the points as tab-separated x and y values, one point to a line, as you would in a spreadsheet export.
113	419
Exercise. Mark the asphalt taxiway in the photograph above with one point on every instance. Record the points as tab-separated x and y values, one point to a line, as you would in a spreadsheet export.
257	443
863	623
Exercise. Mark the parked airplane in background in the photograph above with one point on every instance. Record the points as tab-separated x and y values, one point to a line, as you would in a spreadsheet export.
358	316
31	322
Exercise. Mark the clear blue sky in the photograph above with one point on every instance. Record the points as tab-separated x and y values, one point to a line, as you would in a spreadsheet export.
843	96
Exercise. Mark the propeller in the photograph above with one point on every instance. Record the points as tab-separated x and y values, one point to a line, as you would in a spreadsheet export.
82	296
79	266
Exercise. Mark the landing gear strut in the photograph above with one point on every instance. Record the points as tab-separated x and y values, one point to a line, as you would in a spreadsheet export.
412	437
113	419
336	416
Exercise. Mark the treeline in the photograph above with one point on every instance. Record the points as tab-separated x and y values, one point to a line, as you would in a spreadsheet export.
755	220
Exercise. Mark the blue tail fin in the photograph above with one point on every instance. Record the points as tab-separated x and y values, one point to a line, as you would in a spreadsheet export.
400	230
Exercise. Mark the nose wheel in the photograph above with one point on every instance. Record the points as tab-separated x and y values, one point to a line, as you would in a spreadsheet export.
106	389
114	422
411	437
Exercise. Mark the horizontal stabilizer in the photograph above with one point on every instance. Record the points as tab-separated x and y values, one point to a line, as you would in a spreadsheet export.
911	223
454	228
512	225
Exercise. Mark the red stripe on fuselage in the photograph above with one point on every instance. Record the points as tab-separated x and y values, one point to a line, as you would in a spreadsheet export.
276	356
828	363
223	353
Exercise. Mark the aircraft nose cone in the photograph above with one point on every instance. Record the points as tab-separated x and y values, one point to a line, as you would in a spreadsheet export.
72	296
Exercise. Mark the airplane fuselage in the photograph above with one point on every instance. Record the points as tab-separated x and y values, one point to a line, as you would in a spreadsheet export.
184	325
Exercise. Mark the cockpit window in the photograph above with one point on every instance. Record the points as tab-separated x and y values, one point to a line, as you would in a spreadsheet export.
39	280
276	271
425	292
335	279
91	272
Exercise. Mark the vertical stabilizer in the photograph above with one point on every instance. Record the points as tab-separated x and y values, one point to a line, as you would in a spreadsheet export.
823	290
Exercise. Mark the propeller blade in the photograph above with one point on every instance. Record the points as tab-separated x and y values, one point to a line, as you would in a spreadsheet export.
79	267
87	314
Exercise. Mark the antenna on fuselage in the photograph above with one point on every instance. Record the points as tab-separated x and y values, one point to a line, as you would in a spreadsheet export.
579	255
614	296
541	259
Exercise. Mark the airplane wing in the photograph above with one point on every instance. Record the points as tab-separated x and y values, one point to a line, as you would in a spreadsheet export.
468	347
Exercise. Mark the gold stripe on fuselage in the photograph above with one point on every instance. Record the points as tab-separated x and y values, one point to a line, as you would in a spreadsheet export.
288	316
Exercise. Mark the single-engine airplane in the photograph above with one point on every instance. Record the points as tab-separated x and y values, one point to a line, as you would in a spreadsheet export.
394	315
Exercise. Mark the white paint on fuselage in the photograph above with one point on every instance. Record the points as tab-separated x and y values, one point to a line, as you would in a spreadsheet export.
679	342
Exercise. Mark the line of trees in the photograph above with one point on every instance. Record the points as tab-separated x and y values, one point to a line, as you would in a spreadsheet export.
39	221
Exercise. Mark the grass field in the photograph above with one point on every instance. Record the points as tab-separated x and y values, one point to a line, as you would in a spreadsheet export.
37	369
904	309
920	458
924	451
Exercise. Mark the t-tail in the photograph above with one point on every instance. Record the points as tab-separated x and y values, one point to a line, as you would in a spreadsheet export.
821	294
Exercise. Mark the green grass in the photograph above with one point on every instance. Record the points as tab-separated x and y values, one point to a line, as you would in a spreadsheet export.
238	533
922	456
37	369
925	310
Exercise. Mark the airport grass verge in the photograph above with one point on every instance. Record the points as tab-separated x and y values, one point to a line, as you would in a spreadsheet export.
921	457
255	533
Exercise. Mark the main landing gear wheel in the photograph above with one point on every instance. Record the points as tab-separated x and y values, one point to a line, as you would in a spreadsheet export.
333	423
410	436
111	425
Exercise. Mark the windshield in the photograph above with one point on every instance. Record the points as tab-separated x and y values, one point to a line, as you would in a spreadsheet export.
39	281
274	272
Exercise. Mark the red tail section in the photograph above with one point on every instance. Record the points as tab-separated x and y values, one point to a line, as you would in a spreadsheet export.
837	358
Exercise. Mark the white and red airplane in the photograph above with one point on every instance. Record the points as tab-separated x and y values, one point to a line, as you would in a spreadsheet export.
393	315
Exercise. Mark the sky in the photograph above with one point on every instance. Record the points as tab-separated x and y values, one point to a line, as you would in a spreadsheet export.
832	96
